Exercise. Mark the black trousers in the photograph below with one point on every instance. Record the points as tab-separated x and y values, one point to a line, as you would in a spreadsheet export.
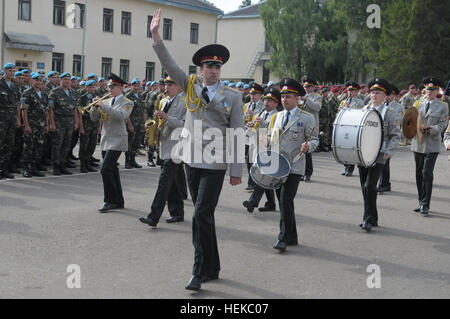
169	190
250	182
205	186
286	194
257	194
309	165
112	186
424	176
349	168
385	175
368	176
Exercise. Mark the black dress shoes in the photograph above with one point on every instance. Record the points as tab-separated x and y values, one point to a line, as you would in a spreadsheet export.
280	245
175	219
424	210
209	278
107	206
267	209
249	206
194	284
306	178
417	209
148	221
366	226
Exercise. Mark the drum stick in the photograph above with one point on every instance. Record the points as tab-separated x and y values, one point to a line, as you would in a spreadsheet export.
299	155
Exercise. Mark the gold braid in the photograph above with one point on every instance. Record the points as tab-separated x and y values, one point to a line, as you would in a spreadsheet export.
190	94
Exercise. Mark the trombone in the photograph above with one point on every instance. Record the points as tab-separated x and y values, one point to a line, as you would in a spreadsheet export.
90	107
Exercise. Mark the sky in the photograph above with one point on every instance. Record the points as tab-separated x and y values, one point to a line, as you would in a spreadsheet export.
228	5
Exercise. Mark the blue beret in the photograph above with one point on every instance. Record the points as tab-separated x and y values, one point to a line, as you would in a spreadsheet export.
239	84
73	78
8	66
100	80
92	75
26	71
226	82
66	74
36	76
270	83
51	73
135	80
2	72
149	83
231	85
246	87
18	73
78	79
90	82
83	83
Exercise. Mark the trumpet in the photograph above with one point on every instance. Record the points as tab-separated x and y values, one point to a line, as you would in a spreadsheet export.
90	107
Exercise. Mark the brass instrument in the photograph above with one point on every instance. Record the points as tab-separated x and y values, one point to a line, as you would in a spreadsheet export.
90	107
152	129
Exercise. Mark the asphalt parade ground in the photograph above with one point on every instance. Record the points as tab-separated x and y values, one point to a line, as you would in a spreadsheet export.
51	231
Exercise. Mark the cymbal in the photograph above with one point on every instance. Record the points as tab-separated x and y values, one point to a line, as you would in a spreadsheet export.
409	124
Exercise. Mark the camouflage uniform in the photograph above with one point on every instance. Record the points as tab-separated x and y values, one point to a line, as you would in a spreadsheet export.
47	148
63	106
36	107
77	93
137	119
333	105
88	140
324	125
16	156
9	97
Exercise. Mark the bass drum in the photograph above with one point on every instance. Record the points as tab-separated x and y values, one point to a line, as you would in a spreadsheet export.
357	136
270	170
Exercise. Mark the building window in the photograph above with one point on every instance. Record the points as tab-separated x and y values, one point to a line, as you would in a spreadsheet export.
106	67
79	17
149	23
150	71
194	33
59	9
25	10
167	31
108	20
126	22
76	66
58	62
124	69
192	69
163	73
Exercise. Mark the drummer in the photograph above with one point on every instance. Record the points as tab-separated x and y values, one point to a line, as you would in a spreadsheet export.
289	130
272	100
368	176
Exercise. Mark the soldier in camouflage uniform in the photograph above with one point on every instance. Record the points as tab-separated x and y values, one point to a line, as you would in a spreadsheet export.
53	82
333	106
77	92
88	130
324	121
9	118
135	125
34	114
151	99
101	89
63	102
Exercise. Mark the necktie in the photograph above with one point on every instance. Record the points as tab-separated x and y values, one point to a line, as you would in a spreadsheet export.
265	116
167	107
427	107
286	120
205	94
112	101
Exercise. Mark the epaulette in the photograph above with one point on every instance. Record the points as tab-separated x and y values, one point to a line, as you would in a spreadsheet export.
231	89
303	111
127	99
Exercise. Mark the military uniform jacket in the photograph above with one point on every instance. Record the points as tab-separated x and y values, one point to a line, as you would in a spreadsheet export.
312	105
391	131
137	116
407	100
9	97
114	132
353	102
36	107
85	100
290	140
262	129
61	103
222	112
447	136
436	117
398	109
176	118
256	108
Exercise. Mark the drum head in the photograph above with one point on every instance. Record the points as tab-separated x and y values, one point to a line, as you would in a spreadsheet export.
371	138
273	164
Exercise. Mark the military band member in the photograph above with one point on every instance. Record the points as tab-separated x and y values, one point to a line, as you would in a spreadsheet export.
218	107
289	131
250	110
409	98
88	130
135	124
311	103
435	113
333	106
35	119
63	101
447	138
114	141
353	102
384	182
368	176
272	98
9	118
324	121
172	115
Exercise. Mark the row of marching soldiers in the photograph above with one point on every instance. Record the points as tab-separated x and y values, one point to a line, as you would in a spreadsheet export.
42	118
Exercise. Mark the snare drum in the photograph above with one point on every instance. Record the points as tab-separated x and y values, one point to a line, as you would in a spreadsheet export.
270	170
357	136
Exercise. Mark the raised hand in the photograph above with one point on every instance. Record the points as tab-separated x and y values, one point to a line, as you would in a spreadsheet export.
154	27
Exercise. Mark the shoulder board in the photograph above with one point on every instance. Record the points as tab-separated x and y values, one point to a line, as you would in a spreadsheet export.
416	104
127	99
303	111
227	88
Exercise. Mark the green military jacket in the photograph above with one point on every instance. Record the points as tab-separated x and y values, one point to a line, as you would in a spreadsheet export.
35	105
61	103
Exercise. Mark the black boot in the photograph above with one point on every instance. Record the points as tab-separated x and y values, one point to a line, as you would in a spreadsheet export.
133	161
36	172
89	167
64	170
83	168
27	170
95	160
40	167
73	157
6	174
70	164
93	164
150	161
128	164
56	170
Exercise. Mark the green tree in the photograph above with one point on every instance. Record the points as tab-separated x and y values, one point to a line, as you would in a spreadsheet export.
245	3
